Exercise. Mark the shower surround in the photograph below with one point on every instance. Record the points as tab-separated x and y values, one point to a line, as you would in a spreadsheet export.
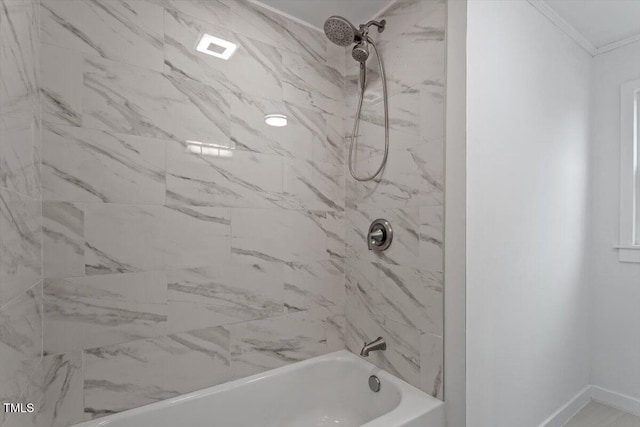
165	271
398	293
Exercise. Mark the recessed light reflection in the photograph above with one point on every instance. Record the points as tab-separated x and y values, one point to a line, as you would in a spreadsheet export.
215	46
214	150
276	120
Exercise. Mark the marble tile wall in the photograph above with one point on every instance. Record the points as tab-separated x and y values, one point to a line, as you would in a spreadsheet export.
156	260
21	363
167	271
398	294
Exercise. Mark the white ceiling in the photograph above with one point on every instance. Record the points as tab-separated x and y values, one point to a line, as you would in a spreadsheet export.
600	22
315	12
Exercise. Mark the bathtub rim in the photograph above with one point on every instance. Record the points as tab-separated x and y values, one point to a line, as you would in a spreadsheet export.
413	404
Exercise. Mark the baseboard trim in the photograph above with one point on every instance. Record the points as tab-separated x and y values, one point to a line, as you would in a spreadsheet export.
569	409
586	395
617	400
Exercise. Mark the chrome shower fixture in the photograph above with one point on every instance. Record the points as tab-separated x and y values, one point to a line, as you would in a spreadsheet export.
360	51
340	31
343	33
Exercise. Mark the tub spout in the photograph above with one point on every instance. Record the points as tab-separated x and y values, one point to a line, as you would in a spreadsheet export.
376	345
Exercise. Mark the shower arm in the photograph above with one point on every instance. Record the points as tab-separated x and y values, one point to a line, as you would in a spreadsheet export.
363	34
379	24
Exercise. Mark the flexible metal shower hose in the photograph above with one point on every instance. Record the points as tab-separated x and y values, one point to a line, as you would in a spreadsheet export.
356	123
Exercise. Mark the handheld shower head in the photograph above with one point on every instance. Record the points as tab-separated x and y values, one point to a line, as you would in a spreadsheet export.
343	33
360	51
340	31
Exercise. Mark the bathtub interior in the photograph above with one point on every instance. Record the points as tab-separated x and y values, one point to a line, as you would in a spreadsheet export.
323	393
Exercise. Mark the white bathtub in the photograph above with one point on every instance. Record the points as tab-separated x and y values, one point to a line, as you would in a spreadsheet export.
330	390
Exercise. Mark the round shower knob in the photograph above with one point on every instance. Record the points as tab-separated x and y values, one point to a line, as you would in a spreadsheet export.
380	235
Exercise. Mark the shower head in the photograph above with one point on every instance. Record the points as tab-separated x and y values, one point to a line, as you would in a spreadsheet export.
360	51
340	31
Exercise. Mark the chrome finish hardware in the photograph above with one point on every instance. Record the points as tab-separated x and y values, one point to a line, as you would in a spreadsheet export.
374	383
378	344
380	235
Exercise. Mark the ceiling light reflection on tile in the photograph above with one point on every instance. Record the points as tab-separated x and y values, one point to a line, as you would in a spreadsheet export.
276	120
214	150
215	46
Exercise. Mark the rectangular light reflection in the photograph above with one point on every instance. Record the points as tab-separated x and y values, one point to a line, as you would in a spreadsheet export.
213	150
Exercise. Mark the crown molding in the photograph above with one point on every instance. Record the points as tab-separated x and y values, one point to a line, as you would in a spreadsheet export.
561	23
574	34
611	46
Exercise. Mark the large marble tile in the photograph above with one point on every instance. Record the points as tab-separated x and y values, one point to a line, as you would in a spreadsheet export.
93	311
262	24
132	100
21	330
214	12
402	357
313	185
403	96
19	53
242	179
335	324
333	224
432	237
405	247
20	154
123	238
224	293
403	9
432	120
61	85
306	81
62	239
422	28
332	148
20	343
406	71
32	392
307	134
196	236
21	244
304	133
405	295
412	177
63	395
311	285
416	82
278	235
432	365
128	31
255	68
85	165
249	131
371	142
133	374
260	345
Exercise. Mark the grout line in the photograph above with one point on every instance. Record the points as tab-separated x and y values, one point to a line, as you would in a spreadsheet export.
12	300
